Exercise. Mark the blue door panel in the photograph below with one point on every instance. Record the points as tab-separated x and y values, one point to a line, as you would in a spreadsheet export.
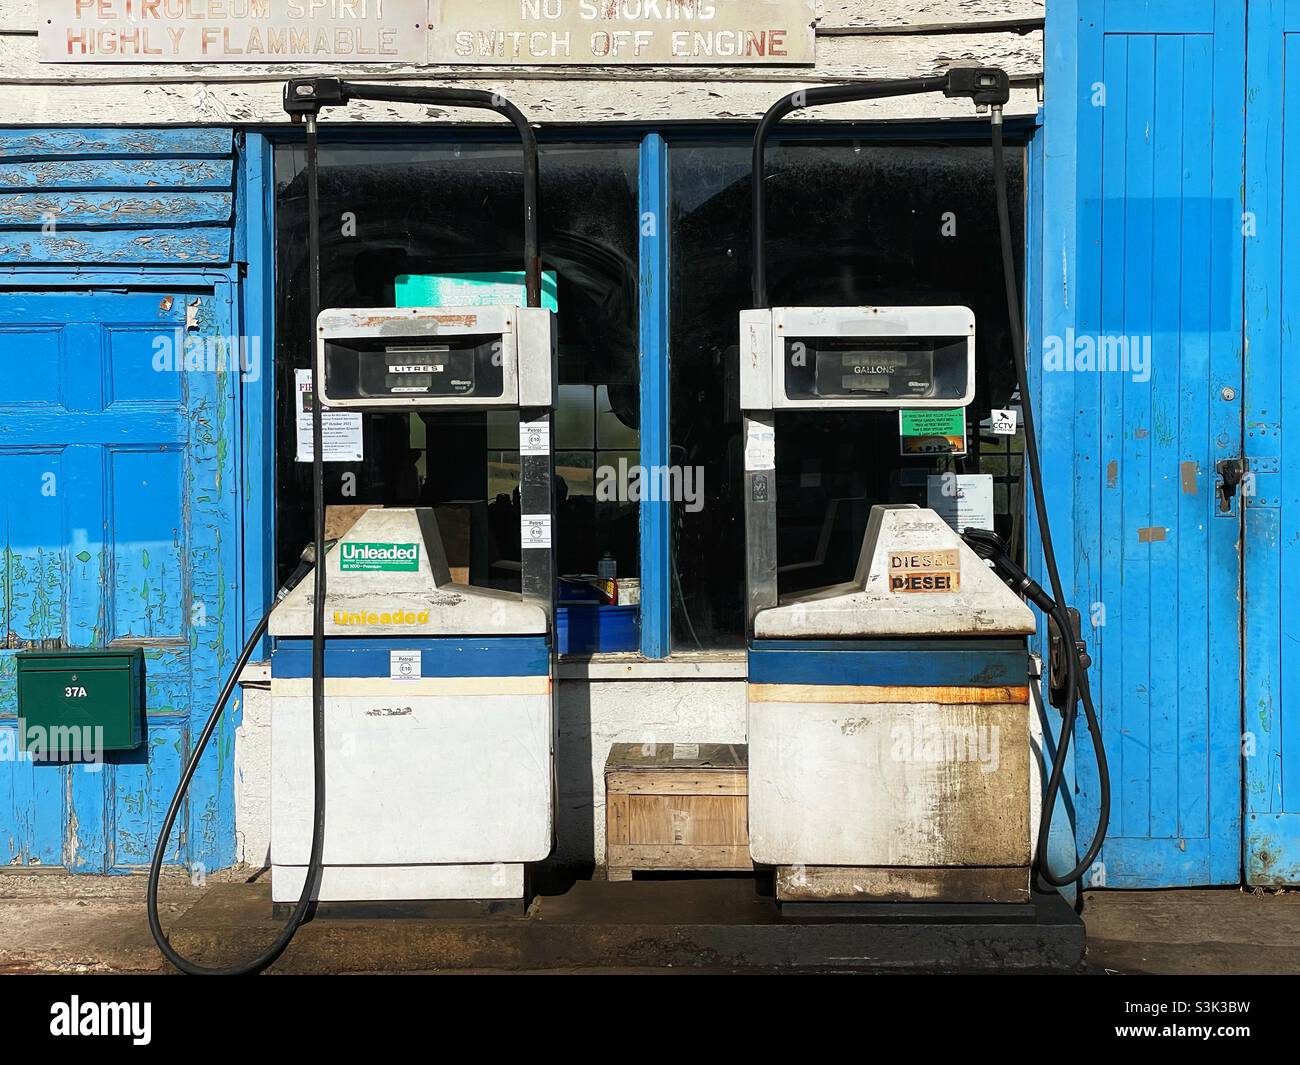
119	521
1157	294
1271	728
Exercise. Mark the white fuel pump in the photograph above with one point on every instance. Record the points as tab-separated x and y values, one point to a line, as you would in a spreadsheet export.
412	718
889	717
438	696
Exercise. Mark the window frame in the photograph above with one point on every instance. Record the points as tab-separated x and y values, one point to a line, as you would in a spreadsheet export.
655	145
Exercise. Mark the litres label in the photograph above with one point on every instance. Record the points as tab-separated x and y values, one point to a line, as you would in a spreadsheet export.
401	558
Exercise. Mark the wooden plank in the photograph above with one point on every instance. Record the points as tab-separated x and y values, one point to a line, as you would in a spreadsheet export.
62	143
677	756
18	16
1144	621
119	174
678	783
620	860
33	209
1195	512
833	13
208	244
545	101
1105	136
690	820
859	694
1167	444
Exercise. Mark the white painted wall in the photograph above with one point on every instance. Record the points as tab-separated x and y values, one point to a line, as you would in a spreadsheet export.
686	702
225	94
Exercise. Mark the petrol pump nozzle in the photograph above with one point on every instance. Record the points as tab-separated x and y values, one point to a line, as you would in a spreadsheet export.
306	563
992	548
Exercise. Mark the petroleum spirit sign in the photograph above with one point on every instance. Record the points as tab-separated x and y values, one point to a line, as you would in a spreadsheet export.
232	31
436	32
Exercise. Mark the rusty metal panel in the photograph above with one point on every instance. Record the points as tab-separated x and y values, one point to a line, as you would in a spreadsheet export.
889	784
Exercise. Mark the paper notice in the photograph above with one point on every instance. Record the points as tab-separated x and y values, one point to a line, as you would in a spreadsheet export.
341	429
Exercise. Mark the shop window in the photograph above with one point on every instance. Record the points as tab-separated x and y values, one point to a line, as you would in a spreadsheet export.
395	216
848	223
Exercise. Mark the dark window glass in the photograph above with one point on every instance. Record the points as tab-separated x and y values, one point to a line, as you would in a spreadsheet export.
849	223
389	210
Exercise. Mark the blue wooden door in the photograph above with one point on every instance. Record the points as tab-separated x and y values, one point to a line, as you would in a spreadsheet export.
1156	383
1271	734
118	522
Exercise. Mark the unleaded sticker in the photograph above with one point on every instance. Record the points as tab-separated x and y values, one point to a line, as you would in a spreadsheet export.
372	557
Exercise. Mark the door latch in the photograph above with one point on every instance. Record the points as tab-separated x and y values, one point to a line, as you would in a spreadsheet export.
1231	473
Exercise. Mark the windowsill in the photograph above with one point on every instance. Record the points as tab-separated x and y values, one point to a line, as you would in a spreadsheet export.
719	665
256	674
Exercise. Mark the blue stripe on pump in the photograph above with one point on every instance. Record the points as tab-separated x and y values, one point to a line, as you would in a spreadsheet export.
507	656
895	664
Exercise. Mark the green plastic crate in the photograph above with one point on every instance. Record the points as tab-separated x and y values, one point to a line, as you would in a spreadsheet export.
80	690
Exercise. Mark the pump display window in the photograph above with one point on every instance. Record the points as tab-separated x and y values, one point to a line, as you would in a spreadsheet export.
403	223
850	223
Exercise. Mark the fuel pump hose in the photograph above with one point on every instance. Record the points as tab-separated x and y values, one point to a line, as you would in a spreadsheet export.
1077	688
312	561
160	850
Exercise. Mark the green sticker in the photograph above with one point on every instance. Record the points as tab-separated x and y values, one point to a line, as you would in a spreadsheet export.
932	432
401	558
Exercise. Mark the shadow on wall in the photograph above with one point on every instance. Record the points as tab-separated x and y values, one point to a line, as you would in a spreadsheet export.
594	715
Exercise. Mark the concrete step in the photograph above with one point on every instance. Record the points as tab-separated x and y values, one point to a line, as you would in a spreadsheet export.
694	925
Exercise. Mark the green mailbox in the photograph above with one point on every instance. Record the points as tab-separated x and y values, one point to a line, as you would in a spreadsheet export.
63	696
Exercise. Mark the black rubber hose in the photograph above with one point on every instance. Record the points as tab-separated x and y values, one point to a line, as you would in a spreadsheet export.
797	101
173	811
315	860
1076	674
484	101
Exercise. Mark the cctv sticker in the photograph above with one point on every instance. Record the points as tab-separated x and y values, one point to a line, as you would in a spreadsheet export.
535	531
924	571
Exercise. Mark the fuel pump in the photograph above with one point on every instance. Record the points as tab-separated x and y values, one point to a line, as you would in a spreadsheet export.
888	717
412	717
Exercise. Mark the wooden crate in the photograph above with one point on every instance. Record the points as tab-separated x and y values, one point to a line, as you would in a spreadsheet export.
677	807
